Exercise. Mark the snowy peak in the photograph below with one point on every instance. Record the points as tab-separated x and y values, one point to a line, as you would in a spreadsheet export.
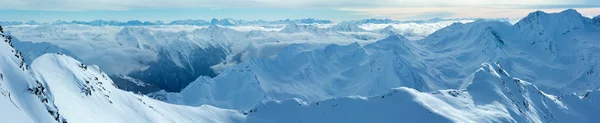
394	38
396	43
214	21
346	27
291	28
213	29
376	21
554	23
471	34
189	22
255	33
138	37
223	22
217	34
310	21
388	30
341	27
296	28
541	17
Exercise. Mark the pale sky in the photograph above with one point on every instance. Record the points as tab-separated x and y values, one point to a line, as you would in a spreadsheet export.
168	10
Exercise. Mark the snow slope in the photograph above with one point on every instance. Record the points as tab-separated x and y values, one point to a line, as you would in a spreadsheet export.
489	95
77	91
58	88
19	104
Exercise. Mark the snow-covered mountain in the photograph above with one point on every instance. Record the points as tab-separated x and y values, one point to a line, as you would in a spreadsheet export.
540	69
443	60
183	58
346	27
488	95
58	88
446	92
536	48
223	22
214	21
296	28
388	30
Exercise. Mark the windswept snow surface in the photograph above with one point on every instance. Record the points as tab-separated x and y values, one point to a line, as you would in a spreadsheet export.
58	88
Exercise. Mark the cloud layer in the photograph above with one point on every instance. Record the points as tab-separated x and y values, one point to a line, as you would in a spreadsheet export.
459	12
395	9
78	5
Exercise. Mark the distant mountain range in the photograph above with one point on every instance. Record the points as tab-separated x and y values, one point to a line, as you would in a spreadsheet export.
232	22
214	21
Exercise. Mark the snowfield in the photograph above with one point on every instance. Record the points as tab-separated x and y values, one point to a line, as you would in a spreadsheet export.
543	68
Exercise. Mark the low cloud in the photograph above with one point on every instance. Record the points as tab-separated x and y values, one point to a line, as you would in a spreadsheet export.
415	13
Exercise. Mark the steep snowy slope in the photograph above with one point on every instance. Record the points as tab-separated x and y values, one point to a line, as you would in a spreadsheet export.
17	102
59	88
77	90
489	95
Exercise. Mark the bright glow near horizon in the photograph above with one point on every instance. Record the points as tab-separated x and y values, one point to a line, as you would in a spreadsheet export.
51	10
